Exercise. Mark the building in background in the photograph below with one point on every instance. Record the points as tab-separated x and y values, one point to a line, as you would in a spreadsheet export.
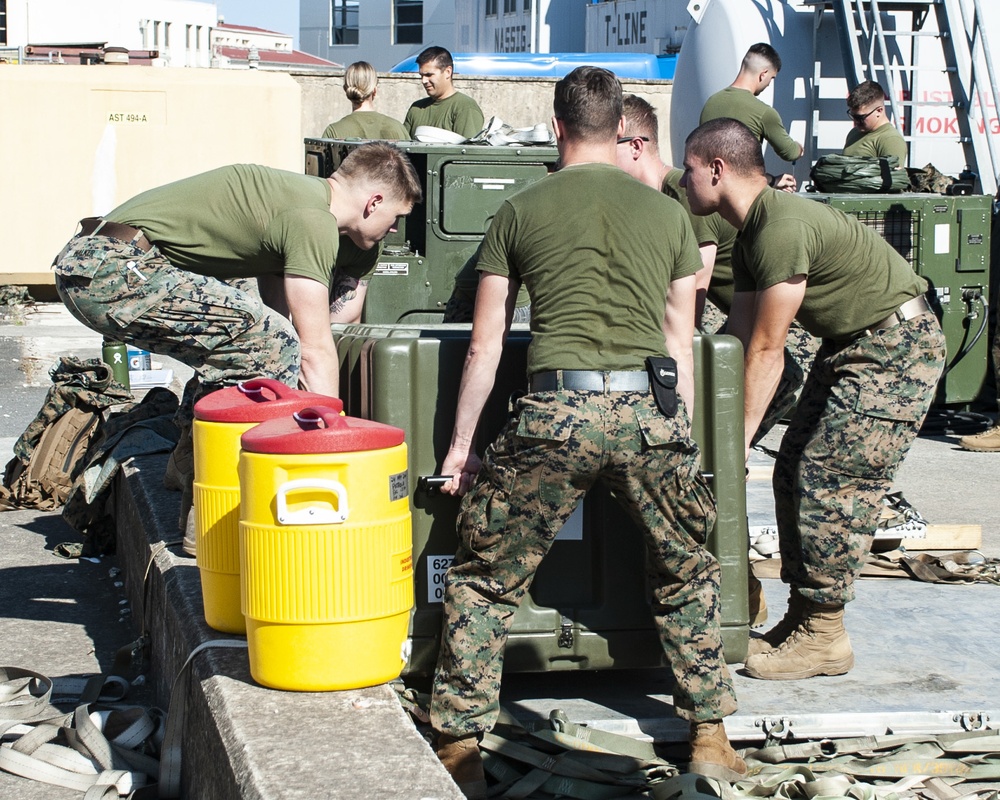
636	26
178	32
241	46
162	33
521	26
381	32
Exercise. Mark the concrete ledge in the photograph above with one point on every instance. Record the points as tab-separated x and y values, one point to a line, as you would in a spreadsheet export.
242	740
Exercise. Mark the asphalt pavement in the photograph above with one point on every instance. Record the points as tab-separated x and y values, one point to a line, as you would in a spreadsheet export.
67	618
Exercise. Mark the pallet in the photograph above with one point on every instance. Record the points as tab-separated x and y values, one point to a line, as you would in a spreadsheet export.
939	537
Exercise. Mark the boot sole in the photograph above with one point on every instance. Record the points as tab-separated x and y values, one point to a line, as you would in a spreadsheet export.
986	449
829	668
717	771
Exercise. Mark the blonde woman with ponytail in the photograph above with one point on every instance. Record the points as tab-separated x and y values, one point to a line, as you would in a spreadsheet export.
364	122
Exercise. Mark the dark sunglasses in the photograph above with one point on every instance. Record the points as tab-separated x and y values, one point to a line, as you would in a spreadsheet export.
861	117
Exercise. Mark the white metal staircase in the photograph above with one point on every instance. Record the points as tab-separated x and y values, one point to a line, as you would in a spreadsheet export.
876	46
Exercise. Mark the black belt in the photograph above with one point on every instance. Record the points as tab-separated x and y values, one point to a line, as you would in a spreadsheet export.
589	380
910	309
96	226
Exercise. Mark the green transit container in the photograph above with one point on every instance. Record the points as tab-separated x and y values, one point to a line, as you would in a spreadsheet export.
588	607
463	186
946	239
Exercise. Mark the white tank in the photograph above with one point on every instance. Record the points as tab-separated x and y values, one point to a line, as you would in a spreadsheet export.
710	59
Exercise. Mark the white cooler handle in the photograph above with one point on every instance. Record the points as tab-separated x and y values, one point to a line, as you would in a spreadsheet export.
312	516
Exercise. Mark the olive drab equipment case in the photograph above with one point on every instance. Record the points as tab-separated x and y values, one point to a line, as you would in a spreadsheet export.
588	606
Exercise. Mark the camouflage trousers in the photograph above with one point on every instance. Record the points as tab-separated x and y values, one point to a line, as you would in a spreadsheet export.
223	332
800	349
555	447
861	408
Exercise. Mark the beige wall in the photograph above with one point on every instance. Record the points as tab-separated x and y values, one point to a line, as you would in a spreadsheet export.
80	140
520	102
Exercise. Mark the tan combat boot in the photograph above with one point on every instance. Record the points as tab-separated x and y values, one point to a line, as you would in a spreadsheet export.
462	760
794	616
985	442
755	600
819	646
711	753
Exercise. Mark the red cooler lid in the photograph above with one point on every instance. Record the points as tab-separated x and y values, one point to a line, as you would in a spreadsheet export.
319	429
257	400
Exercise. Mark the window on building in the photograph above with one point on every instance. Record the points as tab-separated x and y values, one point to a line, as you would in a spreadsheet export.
409	21
509	6
527	5
345	22
491	8
3	22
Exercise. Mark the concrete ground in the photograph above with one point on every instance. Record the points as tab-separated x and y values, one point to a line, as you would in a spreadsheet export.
926	653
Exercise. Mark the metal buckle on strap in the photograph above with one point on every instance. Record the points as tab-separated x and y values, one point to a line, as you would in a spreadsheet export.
585	380
97	226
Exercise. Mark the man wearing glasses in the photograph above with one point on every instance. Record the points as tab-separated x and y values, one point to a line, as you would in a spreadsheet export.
872	135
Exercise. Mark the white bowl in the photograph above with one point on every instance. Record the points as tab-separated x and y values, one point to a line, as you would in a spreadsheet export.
431	135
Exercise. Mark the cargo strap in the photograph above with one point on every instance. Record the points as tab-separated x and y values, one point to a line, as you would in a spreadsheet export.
560	758
921	766
960	567
103	747
963	566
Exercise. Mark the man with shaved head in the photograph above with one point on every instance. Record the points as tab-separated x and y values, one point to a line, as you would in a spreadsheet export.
740	100
867	393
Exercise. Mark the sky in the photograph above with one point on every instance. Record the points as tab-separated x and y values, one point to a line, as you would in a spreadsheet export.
281	16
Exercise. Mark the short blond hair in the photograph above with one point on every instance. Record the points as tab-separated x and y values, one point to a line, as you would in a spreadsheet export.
383	166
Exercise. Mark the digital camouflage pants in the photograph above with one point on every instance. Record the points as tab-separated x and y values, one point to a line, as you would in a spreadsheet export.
800	349
861	408
555	447
221	330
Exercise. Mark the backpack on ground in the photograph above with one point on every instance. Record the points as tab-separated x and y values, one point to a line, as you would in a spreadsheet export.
51	453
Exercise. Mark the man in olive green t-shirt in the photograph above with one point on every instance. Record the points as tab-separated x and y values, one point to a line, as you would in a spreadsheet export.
869	389
873	135
168	271
760	66
611	285
639	155
444	107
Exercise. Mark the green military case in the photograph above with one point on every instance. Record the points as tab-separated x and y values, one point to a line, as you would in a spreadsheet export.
463	186
588	606
946	239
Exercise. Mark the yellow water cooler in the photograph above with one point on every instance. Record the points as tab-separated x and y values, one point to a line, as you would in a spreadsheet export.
220	418
326	551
